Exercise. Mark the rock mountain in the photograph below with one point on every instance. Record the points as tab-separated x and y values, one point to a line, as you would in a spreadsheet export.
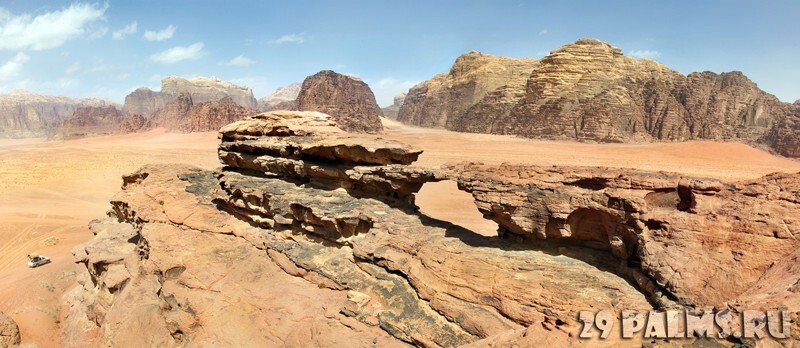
146	102
391	111
347	99
281	98
25	115
590	91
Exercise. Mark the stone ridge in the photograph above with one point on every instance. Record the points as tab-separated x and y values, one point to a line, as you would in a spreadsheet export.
89	121
347	99
279	96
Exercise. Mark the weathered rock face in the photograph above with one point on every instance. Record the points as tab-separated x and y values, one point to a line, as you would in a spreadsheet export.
784	135
183	115
348	99
24	114
9	332
309	236
443	100
590	91
282	96
654	223
391	111
90	121
146	102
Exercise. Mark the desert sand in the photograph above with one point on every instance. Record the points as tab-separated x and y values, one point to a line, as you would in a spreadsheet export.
49	191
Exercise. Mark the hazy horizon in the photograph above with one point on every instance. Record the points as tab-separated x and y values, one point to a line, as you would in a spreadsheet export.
108	49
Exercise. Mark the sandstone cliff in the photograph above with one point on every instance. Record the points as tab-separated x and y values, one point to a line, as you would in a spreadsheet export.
443	100
591	91
24	114
183	115
281	97
348	99
146	102
309	237
391	111
90	121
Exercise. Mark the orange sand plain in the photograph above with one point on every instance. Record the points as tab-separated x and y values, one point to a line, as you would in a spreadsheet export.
49	191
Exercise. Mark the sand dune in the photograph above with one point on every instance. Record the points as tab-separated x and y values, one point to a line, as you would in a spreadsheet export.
50	190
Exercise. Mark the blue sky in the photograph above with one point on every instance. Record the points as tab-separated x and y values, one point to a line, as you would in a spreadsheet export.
107	49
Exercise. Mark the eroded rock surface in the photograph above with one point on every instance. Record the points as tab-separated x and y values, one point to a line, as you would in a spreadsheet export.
9	332
308	236
347	99
590	91
443	100
656	224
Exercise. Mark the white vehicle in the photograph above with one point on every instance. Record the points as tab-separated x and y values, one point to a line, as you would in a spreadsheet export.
37	260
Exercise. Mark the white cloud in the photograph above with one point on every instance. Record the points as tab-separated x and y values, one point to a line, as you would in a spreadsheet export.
123	76
160	35
238	61
290	38
543	32
13	68
645	54
73	68
99	68
51	29
127	30
179	53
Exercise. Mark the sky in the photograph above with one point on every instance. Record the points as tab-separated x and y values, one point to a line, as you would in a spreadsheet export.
108	49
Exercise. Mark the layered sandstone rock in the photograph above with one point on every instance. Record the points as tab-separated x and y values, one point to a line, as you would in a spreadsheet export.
9	332
90	121
443	100
656	224
309	236
183	115
24	114
280	99
348	99
146	102
391	111
590	91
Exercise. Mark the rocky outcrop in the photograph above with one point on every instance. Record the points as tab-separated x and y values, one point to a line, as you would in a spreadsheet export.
90	121
391	111
146	102
24	114
183	115
309	236
9	332
282	98
443	100
655	224
590	91
347	99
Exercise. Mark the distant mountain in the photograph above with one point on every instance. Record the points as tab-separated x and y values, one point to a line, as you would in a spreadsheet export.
24	114
392	110
280	96
590	91
146	102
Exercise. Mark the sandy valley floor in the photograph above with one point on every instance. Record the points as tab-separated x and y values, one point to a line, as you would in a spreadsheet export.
49	191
